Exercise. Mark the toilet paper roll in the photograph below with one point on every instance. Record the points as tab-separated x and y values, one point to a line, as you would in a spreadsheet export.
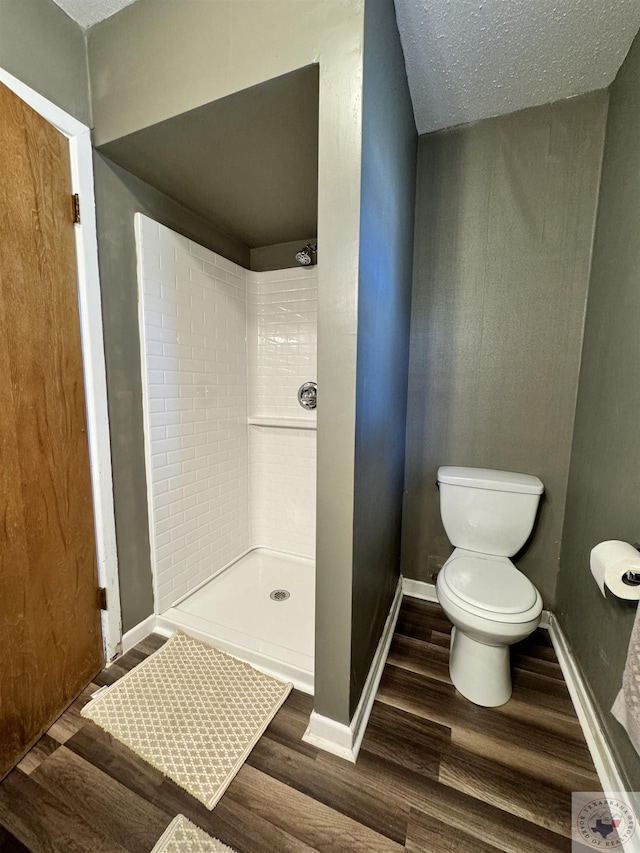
609	563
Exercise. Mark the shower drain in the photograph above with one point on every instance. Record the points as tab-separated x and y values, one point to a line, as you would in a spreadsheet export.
280	594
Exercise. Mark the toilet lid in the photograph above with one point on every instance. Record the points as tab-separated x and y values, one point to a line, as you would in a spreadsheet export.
490	585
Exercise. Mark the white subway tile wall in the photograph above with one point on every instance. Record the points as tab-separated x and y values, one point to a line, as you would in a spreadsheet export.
282	490
221	342
282	344
196	372
282	340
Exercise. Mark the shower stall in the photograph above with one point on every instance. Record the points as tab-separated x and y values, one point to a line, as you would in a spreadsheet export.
228	376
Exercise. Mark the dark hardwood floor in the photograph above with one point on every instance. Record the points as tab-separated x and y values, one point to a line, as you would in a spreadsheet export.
435	773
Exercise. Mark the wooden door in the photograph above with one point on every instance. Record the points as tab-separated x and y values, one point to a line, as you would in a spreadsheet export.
50	633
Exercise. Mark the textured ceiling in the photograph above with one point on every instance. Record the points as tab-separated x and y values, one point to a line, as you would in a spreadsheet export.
90	12
472	59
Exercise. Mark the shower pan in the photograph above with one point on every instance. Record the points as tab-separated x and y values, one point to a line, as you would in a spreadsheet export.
230	450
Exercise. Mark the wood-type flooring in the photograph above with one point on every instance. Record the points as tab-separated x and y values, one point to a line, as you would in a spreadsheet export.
435	772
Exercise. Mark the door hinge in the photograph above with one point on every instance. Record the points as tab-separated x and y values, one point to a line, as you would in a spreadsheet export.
102	597
75	198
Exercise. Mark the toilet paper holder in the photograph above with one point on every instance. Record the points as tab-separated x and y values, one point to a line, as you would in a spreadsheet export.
631	578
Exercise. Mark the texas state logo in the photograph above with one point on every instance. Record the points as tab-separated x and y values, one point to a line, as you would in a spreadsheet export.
605	822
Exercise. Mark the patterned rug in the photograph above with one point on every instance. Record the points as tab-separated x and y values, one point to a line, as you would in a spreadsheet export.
192	712
182	836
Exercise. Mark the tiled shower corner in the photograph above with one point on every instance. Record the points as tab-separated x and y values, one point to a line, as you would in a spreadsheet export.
222	343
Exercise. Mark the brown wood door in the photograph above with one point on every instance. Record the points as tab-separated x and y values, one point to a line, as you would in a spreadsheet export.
50	633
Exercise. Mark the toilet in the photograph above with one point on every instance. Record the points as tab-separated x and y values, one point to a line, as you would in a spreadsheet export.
488	516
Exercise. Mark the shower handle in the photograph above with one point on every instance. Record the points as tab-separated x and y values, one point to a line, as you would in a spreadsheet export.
308	395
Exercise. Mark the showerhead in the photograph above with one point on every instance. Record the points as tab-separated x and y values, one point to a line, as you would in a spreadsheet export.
307	256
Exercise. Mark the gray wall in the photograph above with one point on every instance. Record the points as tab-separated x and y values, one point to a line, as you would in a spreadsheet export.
119	195
604	483
45	49
504	226
389	145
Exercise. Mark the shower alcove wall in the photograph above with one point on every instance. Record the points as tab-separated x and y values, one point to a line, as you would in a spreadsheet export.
230	454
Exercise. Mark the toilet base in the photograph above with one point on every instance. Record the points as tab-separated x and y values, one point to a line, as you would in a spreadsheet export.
481	673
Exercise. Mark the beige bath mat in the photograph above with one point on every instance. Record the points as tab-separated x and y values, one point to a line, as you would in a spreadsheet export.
182	836
192	712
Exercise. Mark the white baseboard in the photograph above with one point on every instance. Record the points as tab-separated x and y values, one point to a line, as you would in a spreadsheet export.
331	736
611	779
363	711
595	735
164	627
546	618
345	740
138	633
419	589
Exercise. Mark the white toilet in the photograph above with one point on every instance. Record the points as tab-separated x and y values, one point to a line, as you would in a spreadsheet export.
488	516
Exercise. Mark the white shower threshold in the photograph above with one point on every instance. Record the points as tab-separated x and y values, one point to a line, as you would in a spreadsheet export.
235	613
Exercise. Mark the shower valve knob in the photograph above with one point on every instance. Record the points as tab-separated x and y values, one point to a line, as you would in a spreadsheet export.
308	395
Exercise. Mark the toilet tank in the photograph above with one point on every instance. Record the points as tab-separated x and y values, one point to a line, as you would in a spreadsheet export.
487	511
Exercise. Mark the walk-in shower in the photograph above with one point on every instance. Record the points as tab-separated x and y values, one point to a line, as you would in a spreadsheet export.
231	453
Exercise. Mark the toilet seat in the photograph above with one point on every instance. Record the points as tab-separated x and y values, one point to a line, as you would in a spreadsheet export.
490	584
490	589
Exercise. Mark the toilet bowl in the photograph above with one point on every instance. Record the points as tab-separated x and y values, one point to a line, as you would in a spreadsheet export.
488	516
491	606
